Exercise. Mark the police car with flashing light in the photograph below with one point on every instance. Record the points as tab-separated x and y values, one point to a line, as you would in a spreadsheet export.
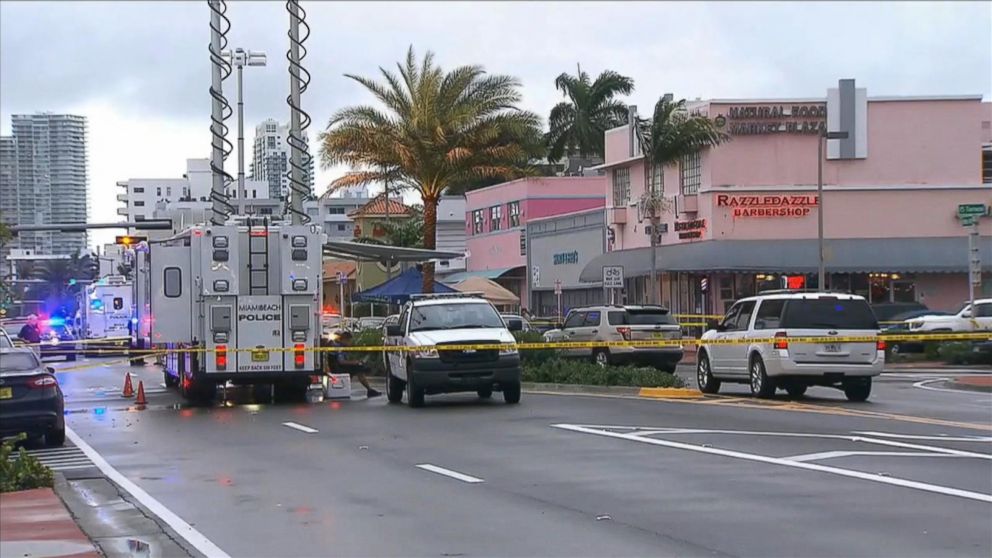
433	321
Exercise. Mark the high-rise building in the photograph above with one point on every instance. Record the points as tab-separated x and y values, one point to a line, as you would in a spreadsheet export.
43	180
270	162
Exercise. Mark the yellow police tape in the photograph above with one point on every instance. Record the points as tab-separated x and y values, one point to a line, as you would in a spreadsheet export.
653	343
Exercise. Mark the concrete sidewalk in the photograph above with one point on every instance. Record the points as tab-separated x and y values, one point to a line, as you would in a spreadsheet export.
35	523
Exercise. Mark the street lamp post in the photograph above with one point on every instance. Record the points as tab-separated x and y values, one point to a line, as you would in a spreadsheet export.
239	59
820	142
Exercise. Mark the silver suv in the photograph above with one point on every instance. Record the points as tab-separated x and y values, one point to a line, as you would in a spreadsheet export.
621	323
770	361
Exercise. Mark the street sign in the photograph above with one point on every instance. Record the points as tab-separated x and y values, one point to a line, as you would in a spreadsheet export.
968	220
975	209
557	286
613	276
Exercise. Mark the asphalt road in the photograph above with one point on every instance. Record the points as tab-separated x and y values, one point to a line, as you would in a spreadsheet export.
907	474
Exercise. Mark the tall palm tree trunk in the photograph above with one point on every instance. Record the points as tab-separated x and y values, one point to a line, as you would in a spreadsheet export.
430	238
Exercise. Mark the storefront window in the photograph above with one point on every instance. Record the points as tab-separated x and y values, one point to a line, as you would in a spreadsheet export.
859	284
745	285
903	291
880	287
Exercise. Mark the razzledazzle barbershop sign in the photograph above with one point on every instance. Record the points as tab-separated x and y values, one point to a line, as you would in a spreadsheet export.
774	119
768	206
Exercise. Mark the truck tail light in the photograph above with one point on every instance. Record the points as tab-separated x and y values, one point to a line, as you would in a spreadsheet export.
43	382
781	341
880	344
624	332
299	358
220	357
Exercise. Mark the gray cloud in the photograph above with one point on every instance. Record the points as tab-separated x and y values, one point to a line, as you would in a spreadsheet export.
150	58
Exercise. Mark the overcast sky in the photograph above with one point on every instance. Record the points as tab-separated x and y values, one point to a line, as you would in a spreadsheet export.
140	70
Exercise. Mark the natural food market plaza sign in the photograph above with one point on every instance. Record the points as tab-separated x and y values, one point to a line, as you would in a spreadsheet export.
749	120
768	206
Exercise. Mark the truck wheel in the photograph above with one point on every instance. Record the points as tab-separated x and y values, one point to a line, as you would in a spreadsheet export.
795	389
857	389
414	393
601	357
292	390
394	388
761	385
511	393
170	380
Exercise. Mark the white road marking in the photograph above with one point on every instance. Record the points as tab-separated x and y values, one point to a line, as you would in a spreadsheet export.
449	473
923	385
833	454
935	438
905	483
59	459
949	451
185	530
300	427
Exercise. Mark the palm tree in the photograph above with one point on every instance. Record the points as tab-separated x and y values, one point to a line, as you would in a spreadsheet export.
672	133
62	277
579	124
436	132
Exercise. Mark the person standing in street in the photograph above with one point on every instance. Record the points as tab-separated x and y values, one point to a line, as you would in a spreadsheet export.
342	362
31	333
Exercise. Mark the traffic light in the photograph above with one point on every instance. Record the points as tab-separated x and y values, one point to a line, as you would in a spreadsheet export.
130	240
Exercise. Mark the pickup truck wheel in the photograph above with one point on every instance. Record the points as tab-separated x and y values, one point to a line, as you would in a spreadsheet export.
414	393
857	389
762	386
511	393
394	388
704	375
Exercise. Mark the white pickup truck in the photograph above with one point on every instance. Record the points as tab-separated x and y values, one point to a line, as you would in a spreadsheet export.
967	319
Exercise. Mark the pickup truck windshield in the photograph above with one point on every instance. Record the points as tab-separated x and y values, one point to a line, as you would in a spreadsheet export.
454	316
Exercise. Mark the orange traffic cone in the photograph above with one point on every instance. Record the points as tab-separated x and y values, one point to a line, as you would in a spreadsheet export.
141	394
128	389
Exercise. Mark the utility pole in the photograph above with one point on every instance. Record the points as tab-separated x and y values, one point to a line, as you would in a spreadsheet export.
239	59
820	142
389	261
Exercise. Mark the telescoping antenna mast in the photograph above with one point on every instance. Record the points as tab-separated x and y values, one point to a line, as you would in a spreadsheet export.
221	110
299	120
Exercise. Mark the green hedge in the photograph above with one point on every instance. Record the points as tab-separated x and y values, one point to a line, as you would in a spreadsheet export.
570	371
534	357
961	352
370	338
22	473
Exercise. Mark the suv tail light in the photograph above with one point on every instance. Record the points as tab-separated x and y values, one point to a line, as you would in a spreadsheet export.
220	357
299	359
43	382
781	340
624	332
880	344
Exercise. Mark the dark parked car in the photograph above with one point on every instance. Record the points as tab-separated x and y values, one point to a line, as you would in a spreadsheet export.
31	400
890	311
58	339
902	328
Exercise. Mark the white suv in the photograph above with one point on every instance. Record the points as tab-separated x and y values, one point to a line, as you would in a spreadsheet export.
451	319
769	361
967	319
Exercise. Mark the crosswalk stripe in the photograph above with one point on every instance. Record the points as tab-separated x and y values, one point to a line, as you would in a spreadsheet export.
58	459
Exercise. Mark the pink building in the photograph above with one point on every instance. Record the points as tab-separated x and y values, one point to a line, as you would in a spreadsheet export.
496	219
742	217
